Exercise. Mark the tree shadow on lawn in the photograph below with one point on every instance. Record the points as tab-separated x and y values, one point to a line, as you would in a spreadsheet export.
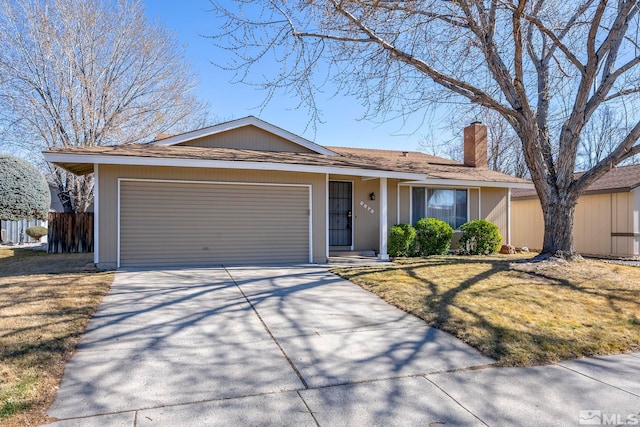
25	262
516	316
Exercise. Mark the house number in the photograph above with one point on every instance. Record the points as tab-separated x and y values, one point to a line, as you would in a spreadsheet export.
367	207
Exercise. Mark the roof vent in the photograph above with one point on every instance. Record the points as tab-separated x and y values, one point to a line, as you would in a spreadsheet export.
405	154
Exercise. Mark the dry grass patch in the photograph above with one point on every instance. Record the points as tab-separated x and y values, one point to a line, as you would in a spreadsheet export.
46	301
517	312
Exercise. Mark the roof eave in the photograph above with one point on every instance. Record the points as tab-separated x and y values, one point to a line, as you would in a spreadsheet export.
73	162
586	193
470	183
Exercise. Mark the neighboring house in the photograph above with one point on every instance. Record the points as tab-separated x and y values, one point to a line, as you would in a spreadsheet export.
246	191
56	204
607	217
14	231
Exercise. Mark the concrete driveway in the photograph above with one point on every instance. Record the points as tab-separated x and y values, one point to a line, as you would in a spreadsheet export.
300	346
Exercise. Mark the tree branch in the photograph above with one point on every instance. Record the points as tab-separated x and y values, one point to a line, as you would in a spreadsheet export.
462	88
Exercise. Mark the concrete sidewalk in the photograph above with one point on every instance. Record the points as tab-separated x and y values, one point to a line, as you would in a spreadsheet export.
300	346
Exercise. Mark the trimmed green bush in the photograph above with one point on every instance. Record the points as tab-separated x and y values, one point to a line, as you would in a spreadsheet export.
480	237
433	236
402	240
36	232
24	192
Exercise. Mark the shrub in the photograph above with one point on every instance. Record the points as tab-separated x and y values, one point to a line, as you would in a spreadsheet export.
480	237
402	240
24	192
36	232
433	236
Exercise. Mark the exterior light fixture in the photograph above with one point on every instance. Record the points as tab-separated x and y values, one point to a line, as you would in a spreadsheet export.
372	195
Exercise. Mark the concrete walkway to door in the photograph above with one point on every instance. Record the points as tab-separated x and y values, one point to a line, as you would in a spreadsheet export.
300	346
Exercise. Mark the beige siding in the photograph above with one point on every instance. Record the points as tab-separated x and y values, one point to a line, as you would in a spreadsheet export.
185	223
248	138
622	213
527	224
622	246
598	218
474	204
405	204
109	198
494	208
592	224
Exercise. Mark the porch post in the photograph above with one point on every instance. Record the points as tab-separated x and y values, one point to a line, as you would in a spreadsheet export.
96	214
382	253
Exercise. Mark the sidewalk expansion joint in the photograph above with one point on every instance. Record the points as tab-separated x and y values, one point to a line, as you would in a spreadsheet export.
395	377
287	358
600	381
101	414
457	402
174	405
308	408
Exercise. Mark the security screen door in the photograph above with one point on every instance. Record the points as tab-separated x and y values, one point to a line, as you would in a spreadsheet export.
340	214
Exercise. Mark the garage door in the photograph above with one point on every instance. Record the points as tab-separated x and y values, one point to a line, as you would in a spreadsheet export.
166	223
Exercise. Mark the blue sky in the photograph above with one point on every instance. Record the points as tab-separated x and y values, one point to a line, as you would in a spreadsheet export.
190	21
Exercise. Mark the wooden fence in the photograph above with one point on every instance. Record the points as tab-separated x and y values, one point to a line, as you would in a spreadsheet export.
70	232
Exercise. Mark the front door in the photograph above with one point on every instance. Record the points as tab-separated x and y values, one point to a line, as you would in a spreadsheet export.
340	214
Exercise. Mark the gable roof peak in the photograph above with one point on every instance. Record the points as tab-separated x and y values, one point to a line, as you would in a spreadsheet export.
238	123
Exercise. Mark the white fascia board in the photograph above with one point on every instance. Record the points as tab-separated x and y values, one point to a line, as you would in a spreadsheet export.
468	183
247	121
224	164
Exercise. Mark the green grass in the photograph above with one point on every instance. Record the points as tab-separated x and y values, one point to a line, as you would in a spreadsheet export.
519	313
46	301
16	396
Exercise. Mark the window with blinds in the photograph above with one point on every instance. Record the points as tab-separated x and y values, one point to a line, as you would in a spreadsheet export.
448	205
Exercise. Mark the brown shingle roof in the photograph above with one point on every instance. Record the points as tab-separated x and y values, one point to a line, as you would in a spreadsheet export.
383	160
622	178
224	154
435	167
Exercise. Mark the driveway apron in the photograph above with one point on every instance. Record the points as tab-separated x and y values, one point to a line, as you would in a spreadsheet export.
170	338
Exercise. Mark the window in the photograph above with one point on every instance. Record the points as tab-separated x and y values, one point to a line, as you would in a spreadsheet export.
449	206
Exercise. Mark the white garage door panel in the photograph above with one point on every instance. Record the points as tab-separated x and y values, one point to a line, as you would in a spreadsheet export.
177	223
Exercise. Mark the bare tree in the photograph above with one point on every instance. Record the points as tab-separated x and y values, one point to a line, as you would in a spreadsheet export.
600	137
546	66
77	73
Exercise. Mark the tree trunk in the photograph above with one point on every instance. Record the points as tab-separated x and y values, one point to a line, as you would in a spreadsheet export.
65	199
558	229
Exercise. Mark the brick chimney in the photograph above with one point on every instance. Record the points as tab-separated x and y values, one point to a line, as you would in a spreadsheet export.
475	145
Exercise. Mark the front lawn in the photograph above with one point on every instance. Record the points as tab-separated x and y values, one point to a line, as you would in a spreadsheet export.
46	301
517	312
